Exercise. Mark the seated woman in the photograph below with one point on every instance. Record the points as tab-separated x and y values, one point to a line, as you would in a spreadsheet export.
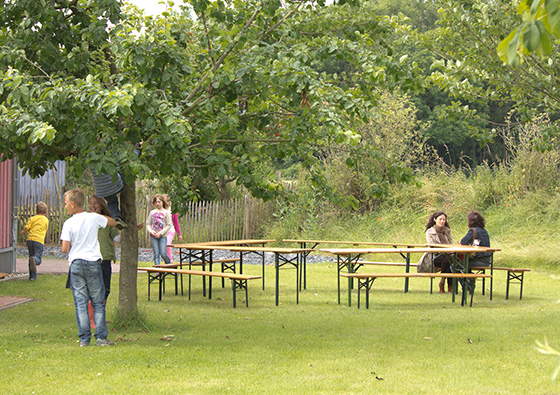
477	236
438	231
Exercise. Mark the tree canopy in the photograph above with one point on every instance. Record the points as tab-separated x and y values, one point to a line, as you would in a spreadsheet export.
212	90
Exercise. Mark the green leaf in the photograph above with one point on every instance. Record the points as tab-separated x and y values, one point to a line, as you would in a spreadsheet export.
534	6
545	48
532	35
507	49
554	20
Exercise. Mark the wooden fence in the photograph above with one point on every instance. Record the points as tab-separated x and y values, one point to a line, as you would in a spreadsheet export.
216	220
56	214
204	221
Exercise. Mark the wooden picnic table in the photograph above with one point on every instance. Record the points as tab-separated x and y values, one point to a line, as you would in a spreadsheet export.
281	255
475	250
312	243
189	255
349	257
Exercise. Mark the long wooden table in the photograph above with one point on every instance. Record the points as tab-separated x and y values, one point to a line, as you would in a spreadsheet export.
283	257
188	255
349	257
314	243
474	250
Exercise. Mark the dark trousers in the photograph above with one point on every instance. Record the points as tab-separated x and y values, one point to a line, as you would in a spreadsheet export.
443	261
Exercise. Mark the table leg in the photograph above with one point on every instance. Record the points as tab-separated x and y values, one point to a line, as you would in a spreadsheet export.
263	265
338	275
491	274
350	282
407	271
277	267
210	262
181	267
298	283
190	276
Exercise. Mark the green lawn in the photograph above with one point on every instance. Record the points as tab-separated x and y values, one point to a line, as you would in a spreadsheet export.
405	343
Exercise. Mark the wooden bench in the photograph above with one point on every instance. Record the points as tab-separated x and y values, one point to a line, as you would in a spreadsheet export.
365	280
402	264
514	275
238	281
226	264
399	264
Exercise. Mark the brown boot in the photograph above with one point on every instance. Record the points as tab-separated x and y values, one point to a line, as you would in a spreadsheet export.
441	287
451	289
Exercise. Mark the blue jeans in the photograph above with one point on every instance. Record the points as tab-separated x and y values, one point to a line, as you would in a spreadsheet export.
113	206
87	284
160	248
106	270
35	250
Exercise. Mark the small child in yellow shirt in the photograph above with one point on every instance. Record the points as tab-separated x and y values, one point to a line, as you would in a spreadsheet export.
36	228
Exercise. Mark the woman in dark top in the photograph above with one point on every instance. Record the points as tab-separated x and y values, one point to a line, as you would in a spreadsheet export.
477	236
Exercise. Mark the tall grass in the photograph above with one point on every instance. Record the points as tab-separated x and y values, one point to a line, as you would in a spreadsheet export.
519	197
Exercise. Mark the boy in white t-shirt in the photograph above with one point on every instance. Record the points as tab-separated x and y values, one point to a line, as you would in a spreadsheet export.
79	241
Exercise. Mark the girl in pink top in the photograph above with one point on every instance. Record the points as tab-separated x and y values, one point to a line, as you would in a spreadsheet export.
158	225
175	229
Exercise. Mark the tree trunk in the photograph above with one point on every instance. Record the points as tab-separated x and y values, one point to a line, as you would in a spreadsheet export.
128	292
222	188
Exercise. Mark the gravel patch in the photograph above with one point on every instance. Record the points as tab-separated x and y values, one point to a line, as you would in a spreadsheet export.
146	255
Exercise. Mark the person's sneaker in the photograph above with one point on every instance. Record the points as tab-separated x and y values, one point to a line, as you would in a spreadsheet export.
82	344
32	266
104	342
121	225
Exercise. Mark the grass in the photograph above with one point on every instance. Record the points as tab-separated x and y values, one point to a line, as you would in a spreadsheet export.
411	343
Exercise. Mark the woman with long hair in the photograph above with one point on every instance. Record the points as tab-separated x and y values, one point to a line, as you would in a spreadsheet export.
437	231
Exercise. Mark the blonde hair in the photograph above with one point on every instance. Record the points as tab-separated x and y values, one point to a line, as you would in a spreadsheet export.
77	196
41	208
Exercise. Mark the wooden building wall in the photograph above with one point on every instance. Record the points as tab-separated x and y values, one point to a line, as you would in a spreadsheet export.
8	191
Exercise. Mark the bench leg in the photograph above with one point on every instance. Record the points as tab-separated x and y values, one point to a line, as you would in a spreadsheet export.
482	271
512	276
507	286
369	284
149	283
190	281
366	283
224	268
241	284
234	286
360	285
521	286
161	285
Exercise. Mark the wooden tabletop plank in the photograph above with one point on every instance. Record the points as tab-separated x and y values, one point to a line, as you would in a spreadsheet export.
225	243
450	275
355	243
475	248
280	250
200	272
360	251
